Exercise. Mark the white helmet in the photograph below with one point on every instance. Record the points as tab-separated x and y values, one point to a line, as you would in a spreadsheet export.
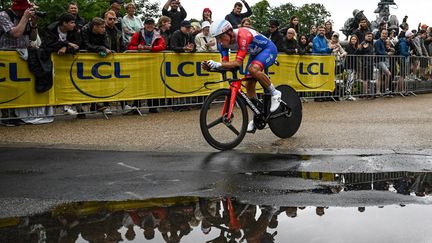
219	27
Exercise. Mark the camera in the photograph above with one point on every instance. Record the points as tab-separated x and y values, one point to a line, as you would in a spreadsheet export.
41	14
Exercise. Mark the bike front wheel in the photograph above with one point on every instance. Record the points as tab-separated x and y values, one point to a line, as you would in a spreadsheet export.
219	131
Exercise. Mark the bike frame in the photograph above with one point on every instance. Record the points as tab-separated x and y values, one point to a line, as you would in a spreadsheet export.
235	88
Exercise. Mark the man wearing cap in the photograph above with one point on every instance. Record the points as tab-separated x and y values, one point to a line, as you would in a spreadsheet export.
147	38
176	15
182	40
275	35
235	17
204	42
18	26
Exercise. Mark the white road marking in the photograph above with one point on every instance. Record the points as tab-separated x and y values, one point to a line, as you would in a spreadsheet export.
128	166
134	195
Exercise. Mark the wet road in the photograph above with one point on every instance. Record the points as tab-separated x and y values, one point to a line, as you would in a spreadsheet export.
52	176
350	174
394	124
80	196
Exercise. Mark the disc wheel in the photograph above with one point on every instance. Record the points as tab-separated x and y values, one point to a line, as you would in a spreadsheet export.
286	126
219	131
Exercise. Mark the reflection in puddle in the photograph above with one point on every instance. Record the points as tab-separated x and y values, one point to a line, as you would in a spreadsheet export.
405	183
193	219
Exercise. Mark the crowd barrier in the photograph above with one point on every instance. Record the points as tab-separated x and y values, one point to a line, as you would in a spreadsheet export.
170	79
88	78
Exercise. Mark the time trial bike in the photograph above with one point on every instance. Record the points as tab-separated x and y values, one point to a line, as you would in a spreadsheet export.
224	116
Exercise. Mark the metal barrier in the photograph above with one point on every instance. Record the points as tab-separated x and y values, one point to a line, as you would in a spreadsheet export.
372	76
357	76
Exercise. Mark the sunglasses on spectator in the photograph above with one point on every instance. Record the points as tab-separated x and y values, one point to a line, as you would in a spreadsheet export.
112	18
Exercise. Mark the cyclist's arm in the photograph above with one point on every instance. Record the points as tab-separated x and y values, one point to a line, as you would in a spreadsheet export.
243	40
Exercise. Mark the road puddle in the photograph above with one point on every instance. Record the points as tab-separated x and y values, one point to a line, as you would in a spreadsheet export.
218	219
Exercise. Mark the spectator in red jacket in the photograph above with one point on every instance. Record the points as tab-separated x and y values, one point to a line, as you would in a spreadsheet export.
147	38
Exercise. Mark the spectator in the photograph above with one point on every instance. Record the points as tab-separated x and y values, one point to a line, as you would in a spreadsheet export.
383	62
304	47
196	28
130	23
176	15
391	51
421	52
405	27
312	33
94	37
79	21
147	39
203	41
18	25
320	43
62	37
392	36
403	49
115	39
328	29
246	22
207	15
291	46
351	65
338	52
163	26
116	6
182	39
428	41
275	35
235	17
337	49
382	26
366	63
294	23
362	30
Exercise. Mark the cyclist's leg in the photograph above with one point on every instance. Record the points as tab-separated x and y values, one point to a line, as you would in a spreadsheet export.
263	60
259	63
251	84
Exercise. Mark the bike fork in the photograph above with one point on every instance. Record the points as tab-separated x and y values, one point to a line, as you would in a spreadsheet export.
235	88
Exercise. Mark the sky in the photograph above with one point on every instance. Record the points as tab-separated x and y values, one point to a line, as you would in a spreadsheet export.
417	10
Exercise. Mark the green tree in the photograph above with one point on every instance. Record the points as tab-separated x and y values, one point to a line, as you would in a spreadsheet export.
311	14
308	14
283	13
260	15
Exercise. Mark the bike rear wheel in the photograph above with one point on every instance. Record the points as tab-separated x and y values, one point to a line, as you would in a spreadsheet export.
219	131
286	126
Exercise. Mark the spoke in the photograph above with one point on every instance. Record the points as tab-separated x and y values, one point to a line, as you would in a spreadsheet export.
214	123
233	129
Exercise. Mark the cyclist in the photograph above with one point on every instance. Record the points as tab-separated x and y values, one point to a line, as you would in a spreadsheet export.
262	53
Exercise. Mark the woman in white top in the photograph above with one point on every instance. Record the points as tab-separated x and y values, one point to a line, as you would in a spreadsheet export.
130	23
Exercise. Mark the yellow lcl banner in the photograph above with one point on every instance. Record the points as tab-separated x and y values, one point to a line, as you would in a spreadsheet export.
86	77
